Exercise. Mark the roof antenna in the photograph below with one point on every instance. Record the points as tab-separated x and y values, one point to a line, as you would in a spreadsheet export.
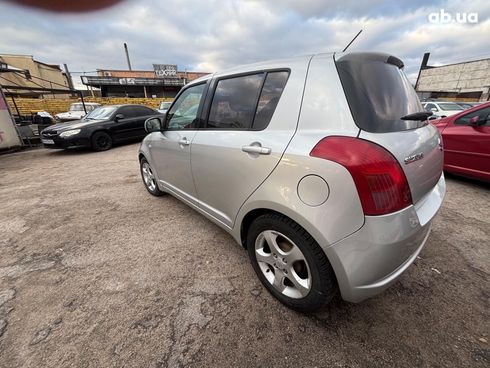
350	43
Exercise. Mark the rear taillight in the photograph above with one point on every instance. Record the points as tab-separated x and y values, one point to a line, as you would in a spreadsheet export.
380	181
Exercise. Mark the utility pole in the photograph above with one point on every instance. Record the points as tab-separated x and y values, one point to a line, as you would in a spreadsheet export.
68	78
127	55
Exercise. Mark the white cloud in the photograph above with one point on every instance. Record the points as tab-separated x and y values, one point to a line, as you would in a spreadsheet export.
212	35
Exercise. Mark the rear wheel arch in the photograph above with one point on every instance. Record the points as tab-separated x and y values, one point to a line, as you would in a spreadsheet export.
249	218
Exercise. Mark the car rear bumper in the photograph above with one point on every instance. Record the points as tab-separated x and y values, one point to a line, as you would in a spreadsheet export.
371	259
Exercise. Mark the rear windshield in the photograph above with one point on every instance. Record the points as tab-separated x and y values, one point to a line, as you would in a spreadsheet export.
378	92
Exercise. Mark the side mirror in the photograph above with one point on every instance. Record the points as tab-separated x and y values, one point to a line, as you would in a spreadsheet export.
118	117
433	109
153	124
478	121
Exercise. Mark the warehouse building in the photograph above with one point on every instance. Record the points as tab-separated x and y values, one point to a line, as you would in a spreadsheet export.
162	81
466	81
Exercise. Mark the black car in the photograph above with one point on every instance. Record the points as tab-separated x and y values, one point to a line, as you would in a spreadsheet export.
100	128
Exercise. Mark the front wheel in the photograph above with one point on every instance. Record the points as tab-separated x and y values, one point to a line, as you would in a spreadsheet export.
290	263
149	178
101	141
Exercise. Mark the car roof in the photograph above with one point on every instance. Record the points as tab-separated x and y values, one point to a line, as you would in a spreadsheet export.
124	105
261	65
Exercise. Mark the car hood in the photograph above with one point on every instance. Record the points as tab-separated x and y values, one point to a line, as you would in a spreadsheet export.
75	124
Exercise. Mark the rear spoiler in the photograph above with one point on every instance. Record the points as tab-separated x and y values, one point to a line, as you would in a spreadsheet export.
371	56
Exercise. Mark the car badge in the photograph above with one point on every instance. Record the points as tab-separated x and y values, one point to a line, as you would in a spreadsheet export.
413	158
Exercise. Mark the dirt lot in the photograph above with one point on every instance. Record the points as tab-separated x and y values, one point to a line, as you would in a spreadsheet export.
95	272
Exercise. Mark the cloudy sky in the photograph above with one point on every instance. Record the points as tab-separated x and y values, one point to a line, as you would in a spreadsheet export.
212	35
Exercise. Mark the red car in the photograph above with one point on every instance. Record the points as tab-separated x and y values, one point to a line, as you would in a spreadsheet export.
466	140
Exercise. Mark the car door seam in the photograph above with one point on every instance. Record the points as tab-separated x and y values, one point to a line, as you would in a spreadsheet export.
285	148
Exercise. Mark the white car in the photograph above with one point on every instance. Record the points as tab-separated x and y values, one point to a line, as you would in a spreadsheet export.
76	111
442	109
164	106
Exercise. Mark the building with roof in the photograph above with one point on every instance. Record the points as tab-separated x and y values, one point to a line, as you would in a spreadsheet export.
465	81
162	81
39	76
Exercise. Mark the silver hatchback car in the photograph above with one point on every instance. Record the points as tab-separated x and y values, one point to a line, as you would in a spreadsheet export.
323	167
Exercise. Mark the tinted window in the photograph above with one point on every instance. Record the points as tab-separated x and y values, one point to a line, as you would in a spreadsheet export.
378	92
127	111
183	114
269	97
234	102
143	111
430	106
482	114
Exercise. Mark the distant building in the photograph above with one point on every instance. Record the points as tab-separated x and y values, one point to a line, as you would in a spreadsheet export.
162	81
467	81
42	76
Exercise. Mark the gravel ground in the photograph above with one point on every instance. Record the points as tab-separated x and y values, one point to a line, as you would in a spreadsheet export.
95	272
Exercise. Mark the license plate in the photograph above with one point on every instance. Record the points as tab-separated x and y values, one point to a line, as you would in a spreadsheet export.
47	141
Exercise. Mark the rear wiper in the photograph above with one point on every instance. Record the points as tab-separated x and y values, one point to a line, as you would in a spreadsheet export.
420	116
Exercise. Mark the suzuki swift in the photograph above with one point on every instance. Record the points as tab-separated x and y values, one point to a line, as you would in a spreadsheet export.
323	167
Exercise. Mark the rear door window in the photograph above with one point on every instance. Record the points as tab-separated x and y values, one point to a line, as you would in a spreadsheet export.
143	111
378	92
234	102
269	98
127	111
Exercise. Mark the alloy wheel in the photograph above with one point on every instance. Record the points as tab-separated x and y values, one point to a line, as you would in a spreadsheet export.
283	264
148	177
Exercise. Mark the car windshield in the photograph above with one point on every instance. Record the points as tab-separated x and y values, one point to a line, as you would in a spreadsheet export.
450	107
76	107
103	112
165	105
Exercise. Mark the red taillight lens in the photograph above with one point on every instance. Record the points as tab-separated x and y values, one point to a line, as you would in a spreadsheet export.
380	181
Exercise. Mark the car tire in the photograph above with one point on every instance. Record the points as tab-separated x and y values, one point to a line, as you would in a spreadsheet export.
149	179
306	279
101	141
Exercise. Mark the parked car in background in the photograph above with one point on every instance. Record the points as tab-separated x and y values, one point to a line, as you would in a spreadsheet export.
442	109
100	128
164	106
466	139
323	195
76	111
464	105
468	105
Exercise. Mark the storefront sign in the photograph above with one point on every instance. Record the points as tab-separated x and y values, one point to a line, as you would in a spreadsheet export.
165	70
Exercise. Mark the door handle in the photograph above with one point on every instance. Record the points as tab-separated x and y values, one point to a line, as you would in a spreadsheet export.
184	142
257	150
